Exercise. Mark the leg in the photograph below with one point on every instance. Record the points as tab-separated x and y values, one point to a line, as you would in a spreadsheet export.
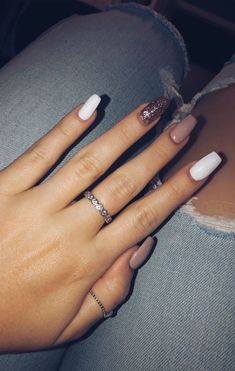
48	360
103	53
180	315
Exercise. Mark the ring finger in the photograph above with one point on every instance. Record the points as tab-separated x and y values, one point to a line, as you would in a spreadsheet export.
119	188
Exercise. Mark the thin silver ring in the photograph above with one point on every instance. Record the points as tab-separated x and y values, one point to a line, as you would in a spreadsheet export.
105	314
98	205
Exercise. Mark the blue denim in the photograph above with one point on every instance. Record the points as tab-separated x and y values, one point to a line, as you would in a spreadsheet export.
180	315
223	79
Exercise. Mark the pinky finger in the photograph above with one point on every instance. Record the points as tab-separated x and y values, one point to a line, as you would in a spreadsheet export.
111	289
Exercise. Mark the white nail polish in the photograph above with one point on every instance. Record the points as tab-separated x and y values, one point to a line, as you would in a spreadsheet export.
205	166
89	107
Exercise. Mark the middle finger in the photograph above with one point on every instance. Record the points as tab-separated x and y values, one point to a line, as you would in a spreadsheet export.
95	158
119	188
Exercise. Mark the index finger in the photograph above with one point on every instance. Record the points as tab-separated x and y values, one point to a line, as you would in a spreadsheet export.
93	160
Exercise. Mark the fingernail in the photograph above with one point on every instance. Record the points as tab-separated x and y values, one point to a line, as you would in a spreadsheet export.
142	253
89	107
205	166
154	110
183	129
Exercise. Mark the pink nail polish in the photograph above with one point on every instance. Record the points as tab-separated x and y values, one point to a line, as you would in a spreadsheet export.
142	253
183	129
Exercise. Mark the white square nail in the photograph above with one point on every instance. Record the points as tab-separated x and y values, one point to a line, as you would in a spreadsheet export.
89	107
205	166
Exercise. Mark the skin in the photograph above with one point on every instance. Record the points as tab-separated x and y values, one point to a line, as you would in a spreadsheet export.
54	250
218	134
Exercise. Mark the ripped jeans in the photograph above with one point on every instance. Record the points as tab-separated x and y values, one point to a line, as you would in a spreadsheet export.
180	315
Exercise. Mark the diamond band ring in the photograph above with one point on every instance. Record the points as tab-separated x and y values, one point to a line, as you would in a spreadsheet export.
99	207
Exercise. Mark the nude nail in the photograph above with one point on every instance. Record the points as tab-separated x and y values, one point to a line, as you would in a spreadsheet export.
142	253
183	129
153	110
89	107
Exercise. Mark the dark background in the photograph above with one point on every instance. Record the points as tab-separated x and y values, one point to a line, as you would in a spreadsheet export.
209	44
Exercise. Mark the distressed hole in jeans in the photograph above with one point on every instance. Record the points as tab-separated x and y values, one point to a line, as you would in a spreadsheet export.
207	210
218	223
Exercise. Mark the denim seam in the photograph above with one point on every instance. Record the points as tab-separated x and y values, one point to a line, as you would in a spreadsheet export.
167	24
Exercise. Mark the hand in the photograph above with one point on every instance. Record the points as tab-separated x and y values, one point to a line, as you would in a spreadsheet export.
54	250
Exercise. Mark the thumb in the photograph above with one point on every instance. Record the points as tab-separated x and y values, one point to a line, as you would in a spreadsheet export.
111	290
113	287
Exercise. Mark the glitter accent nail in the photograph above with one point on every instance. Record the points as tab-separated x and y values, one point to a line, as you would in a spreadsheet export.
154	110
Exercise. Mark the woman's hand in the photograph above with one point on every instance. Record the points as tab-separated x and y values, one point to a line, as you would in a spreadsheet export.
54	250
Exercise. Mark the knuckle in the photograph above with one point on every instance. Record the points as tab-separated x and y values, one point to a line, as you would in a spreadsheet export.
64	130
124	187
163	154
117	290
39	154
125	132
88	166
177	191
144	219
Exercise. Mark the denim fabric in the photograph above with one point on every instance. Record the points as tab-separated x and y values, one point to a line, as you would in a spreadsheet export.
223	79
103	53
180	314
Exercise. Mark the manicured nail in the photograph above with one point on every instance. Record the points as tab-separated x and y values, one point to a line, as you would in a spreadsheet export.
154	110
89	107
205	166
183	129
142	253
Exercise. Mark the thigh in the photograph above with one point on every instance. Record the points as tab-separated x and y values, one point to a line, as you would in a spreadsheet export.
103	53
180	315
48	360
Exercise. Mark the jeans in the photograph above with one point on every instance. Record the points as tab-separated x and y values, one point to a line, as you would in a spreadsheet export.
180	315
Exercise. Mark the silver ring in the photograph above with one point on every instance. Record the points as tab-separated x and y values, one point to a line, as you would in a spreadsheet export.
105	314
155	183
98	205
